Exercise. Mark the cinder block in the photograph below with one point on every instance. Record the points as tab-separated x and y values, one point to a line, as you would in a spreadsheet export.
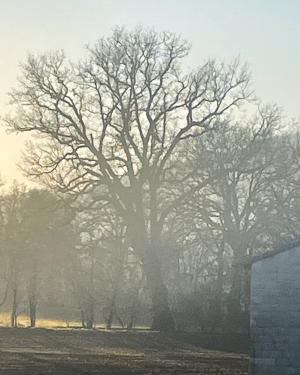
275	314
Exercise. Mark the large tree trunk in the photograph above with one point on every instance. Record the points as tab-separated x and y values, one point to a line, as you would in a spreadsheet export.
237	313
162	317
236	285
149	252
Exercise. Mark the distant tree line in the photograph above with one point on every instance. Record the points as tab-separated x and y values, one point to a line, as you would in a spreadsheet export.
159	185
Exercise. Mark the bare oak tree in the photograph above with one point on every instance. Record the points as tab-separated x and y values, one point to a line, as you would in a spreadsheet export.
243	164
113	121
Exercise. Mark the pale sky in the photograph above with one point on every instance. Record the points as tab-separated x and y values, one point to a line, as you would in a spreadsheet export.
264	33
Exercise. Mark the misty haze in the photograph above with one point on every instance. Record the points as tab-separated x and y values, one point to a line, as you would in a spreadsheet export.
150	175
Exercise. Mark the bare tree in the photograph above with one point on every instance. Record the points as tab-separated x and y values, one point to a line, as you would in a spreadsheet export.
243	164
114	121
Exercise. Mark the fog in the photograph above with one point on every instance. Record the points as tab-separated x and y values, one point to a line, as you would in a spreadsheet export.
158	166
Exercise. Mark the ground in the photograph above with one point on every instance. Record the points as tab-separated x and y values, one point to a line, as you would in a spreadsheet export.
76	352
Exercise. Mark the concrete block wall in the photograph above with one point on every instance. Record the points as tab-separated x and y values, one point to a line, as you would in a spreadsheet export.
275	315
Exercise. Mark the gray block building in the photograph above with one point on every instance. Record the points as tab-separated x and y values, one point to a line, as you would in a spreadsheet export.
275	313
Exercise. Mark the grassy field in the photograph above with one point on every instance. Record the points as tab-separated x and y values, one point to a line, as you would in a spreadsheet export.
47	351
24	321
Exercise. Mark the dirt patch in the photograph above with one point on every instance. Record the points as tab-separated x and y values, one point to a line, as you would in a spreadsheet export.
78	352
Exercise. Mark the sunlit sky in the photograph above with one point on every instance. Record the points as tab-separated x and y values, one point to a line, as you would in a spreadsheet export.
264	33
